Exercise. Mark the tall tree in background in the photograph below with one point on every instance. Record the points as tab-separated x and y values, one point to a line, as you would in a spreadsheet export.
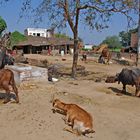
3	25
125	37
16	37
93	13
112	42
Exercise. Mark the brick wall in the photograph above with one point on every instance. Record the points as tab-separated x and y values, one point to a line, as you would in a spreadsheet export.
134	39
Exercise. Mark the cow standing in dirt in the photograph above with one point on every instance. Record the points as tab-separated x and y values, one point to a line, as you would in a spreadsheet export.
106	54
6	82
130	77
127	77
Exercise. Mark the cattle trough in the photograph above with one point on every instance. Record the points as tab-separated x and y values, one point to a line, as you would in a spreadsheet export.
24	72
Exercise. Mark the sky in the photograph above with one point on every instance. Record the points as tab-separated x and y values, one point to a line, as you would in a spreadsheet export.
10	13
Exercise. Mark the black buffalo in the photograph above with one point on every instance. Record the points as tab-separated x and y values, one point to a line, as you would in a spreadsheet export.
127	77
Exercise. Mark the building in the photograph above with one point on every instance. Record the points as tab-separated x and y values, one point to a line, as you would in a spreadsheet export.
88	46
134	40
36	44
39	32
133	43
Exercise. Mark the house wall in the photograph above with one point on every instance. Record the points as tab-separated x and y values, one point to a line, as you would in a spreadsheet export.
134	39
38	32
87	46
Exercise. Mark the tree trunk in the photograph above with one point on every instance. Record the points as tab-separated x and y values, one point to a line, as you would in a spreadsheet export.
138	47
2	56
75	58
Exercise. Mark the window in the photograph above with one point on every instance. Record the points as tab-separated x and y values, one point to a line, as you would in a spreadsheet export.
33	34
38	34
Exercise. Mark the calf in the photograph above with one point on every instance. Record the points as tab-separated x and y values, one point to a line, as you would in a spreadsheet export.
7	80
78	118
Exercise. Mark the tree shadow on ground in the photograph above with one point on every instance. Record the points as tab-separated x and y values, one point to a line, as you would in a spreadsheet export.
124	62
119	92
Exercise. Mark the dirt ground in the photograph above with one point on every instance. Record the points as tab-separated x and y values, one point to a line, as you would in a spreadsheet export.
114	117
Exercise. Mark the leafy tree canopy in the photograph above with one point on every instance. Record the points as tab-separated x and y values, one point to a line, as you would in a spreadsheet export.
125	37
112	42
3	25
17	37
93	13
58	35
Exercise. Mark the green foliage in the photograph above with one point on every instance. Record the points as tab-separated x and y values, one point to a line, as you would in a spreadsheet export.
94	46
17	37
3	25
125	37
133	30
85	49
94	13
58	35
112	42
115	49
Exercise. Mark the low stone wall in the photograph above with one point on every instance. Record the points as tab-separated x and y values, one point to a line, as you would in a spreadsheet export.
26	72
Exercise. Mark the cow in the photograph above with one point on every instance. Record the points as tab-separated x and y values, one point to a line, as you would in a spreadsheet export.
79	119
127	77
106	54
6	82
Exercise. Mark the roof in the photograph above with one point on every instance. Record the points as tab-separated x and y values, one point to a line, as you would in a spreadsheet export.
42	41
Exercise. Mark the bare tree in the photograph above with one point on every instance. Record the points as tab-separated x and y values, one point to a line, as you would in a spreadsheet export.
94	13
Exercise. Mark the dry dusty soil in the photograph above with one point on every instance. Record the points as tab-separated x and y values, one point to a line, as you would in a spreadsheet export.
114	117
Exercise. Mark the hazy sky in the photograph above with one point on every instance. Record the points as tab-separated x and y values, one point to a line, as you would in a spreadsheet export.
10	13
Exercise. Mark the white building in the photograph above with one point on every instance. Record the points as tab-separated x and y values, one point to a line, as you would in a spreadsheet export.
88	46
39	32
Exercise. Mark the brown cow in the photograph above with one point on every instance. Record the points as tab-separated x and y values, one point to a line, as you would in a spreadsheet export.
80	120
7	81
106	54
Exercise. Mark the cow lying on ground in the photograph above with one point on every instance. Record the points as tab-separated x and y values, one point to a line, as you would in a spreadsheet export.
78	118
127	77
7	81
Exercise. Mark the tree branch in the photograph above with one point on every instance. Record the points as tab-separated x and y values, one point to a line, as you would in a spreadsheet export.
66	7
101	10
77	16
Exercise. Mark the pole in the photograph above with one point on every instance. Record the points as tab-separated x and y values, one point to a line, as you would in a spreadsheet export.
138	47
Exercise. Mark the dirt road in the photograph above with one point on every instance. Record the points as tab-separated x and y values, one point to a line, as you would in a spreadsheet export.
115	117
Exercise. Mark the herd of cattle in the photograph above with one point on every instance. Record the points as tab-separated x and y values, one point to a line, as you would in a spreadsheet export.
81	121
